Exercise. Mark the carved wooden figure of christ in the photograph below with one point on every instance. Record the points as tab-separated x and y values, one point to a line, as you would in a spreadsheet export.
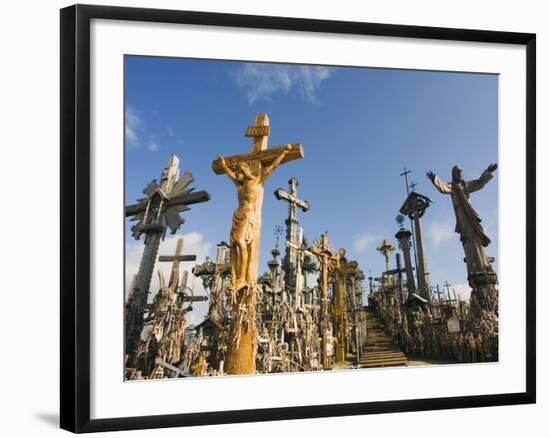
248	172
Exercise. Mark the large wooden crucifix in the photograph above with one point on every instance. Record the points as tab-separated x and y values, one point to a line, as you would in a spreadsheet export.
175	285
176	259
248	172
386	248
328	261
340	273
290	262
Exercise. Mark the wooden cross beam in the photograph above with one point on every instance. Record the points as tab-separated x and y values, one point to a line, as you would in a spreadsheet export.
265	157
193	299
260	151
171	367
176	259
395	271
448	287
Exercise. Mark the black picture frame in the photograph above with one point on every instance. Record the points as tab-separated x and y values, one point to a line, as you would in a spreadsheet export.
75	217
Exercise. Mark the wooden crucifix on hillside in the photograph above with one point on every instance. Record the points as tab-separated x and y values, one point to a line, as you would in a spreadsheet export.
176	259
248	172
175	285
328	261
340	273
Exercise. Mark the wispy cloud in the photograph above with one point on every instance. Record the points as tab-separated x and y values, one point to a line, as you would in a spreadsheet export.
152	145
262	81
363	242
440	232
132	122
462	289
136	134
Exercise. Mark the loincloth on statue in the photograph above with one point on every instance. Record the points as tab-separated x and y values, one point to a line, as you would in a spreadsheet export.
243	226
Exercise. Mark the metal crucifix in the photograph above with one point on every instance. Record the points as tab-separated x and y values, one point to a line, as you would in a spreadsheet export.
290	262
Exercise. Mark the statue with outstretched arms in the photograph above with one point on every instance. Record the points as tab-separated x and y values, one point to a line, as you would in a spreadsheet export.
468	222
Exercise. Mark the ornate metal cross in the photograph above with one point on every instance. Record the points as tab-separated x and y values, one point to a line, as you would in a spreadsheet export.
158	210
290	262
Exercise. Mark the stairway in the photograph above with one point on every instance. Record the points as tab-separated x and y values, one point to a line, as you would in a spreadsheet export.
379	350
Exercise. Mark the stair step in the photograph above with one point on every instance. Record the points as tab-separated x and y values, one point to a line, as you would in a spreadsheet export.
371	359
384	364
379	350
382	353
381	359
376	358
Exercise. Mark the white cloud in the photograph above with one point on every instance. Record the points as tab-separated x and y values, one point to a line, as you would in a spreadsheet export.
262	81
462	289
193	243
152	145
312	279
362	242
131	123
440	232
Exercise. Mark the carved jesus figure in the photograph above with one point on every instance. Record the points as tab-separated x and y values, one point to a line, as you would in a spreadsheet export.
249	177
468	222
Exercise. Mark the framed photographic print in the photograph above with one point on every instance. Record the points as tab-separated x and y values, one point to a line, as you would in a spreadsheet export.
290	218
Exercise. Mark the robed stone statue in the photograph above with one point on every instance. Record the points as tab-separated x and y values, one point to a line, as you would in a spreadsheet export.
468	222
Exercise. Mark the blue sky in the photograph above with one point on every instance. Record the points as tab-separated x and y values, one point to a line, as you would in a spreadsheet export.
359	128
